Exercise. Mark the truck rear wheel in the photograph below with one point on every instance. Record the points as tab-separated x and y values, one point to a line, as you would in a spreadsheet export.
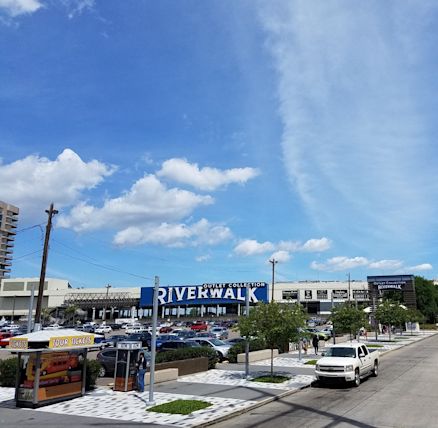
375	371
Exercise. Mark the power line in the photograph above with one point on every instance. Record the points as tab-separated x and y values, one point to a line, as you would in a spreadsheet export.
26	255
29	228
114	269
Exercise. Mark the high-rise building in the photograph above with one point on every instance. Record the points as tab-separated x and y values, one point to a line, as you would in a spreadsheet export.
8	224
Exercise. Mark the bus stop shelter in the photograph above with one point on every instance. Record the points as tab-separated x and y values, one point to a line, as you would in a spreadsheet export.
51	366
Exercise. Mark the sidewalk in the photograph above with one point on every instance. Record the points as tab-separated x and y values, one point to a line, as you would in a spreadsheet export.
225	387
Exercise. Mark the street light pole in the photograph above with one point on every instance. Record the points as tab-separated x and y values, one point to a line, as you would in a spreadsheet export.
273	262
106	301
349	287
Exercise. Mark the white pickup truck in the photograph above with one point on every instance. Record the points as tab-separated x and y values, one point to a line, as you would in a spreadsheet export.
347	361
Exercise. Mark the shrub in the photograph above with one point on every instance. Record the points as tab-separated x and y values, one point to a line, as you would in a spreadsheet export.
239	348
93	368
8	371
187	353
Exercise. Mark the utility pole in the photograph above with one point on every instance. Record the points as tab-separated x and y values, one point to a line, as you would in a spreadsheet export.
106	301
349	287
51	212
273	262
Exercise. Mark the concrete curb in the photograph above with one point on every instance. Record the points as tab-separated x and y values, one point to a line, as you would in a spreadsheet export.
254	406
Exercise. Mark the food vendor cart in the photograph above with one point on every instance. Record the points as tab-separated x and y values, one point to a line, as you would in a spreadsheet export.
51	366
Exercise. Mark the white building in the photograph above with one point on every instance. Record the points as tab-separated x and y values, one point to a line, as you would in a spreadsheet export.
15	298
319	296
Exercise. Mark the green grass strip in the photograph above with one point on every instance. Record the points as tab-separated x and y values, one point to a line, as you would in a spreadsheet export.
180	407
271	379
311	362
375	346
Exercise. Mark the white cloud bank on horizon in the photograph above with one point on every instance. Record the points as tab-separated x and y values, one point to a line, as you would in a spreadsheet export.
207	178
342	263
354	98
33	182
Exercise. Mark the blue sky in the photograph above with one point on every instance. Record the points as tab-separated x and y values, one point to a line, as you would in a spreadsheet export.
197	140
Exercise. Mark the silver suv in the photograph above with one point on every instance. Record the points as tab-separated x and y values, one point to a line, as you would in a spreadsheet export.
219	346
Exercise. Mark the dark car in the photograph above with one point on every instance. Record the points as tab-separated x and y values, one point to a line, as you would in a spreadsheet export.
235	340
171	345
186	334
113	340
144	337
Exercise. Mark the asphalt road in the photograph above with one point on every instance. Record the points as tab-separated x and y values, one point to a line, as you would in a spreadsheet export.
404	395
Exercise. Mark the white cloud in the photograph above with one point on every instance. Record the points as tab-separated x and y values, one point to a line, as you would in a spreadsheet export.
147	201
77	7
420	268
344	264
203	258
33	182
249	247
386	265
280	256
173	235
205	178
15	8
340	263
316	245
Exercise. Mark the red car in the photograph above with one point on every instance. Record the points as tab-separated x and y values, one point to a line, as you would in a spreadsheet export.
165	330
199	326
3	342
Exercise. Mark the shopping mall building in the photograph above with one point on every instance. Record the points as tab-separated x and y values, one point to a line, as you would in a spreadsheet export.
202	300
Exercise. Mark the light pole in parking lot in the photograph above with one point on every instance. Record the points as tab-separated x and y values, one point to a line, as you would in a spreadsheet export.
106	302
273	262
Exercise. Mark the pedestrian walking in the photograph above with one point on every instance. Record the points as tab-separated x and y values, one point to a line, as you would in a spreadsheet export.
141	371
305	345
315	343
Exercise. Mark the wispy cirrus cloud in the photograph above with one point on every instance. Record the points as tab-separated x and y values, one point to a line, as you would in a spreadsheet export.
354	101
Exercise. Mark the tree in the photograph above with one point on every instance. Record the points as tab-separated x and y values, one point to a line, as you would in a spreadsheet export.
45	314
70	312
390	313
347	318
275	323
427	298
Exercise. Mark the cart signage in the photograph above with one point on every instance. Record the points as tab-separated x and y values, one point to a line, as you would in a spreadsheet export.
71	341
18	343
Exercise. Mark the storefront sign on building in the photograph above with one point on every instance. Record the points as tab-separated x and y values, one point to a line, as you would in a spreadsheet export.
340	294
219	293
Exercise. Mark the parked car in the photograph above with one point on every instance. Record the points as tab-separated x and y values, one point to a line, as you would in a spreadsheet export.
320	334
161	338
107	360
186	334
102	329
219	346
165	329
171	345
199	326
135	328
204	334
144	337
52	327
219	332
234	340
4	339
349	362
113	340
